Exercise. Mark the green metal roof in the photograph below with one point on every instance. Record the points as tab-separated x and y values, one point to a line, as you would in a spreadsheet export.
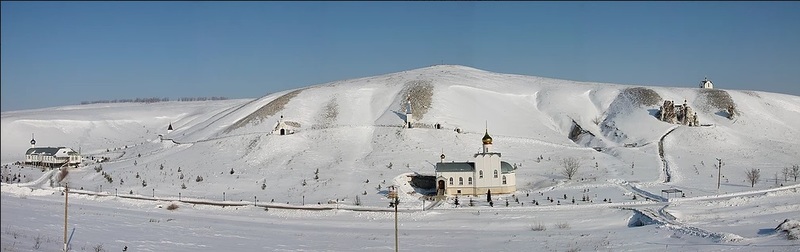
506	167
51	151
46	151
455	167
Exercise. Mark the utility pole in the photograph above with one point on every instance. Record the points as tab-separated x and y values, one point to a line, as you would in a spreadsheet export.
396	240
393	202
719	172
66	203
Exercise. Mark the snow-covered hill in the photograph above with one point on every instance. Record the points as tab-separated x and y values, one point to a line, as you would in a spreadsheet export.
351	133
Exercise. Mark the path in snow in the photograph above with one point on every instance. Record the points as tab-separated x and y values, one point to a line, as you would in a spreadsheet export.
665	173
665	168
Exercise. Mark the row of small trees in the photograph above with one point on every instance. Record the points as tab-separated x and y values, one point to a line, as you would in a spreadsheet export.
155	99
570	167
753	174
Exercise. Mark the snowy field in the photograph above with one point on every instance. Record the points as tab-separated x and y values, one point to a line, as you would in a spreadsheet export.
113	223
349	147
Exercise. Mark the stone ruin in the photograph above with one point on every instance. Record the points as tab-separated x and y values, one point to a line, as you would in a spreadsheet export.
731	112
678	114
667	112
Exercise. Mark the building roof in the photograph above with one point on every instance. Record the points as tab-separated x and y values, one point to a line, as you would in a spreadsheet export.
50	151
506	167
47	151
455	167
487	153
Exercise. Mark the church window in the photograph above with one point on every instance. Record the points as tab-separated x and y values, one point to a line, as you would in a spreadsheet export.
460	181
495	173
451	181
480	173
504	179
469	180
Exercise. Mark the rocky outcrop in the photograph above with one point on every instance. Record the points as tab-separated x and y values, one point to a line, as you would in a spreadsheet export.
678	114
265	111
717	100
420	93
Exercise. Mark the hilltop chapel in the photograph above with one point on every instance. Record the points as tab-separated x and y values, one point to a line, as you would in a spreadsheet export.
706	84
485	173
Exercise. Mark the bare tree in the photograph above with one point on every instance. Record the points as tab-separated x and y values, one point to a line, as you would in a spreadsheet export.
786	173
753	175
570	166
597	120
795	172
776	178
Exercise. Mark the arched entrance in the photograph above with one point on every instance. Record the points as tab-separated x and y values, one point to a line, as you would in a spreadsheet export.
440	188
283	132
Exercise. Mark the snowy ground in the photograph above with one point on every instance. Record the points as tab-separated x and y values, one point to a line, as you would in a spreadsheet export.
148	226
349	134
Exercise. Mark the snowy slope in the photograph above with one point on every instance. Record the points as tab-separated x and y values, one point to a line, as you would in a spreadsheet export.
351	133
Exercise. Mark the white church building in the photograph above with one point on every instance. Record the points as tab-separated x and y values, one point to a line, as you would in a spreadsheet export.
409	120
705	83
485	173
282	128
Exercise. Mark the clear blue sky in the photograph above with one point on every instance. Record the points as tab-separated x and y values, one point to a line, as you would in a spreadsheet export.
62	53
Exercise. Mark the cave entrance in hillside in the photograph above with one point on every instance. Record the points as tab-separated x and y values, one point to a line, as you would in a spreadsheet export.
283	132
423	184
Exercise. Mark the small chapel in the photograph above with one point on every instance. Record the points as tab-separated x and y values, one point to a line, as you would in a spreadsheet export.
705	83
282	128
409	120
486	172
169	130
